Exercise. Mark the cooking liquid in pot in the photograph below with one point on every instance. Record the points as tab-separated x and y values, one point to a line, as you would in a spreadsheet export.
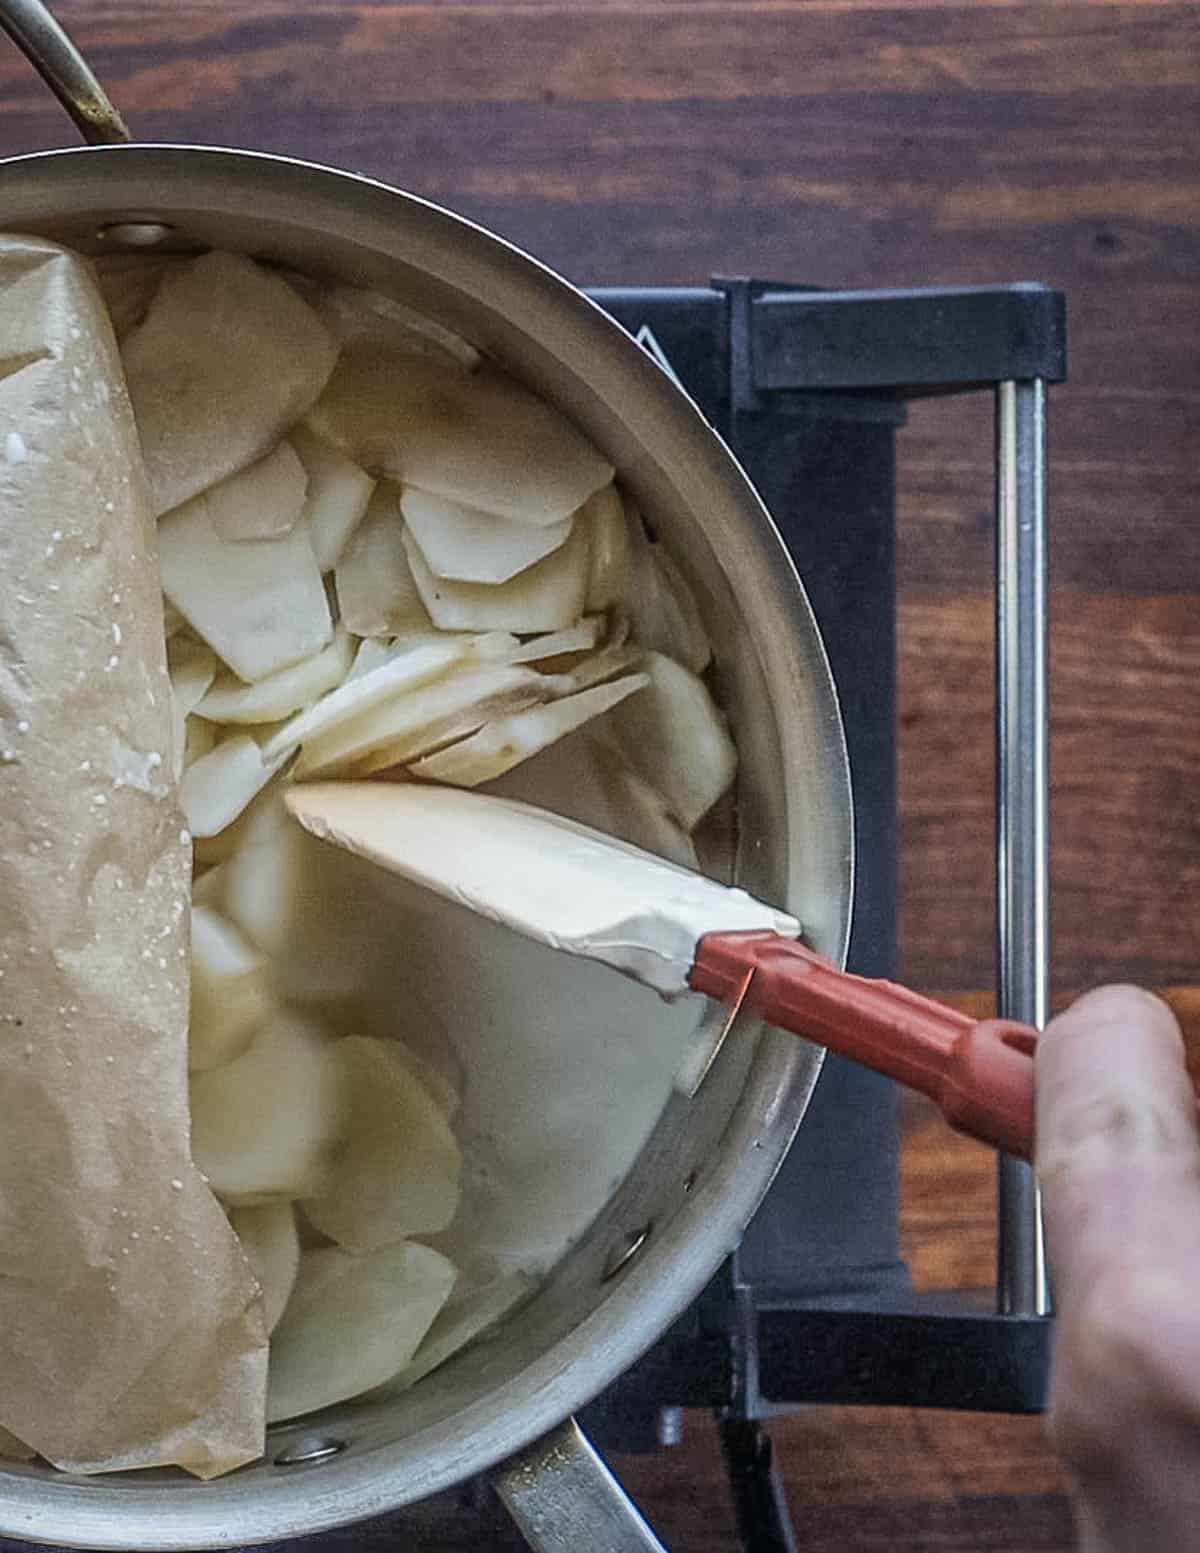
566	1068
562	1068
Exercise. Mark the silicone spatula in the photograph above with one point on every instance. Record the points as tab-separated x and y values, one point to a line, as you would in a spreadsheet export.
587	894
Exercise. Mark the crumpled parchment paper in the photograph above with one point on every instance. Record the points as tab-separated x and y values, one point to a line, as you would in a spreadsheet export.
131	1327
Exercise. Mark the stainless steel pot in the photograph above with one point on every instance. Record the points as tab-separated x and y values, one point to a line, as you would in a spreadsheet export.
499	1407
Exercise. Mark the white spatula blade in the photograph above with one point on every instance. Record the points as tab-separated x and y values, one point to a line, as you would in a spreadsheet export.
549	878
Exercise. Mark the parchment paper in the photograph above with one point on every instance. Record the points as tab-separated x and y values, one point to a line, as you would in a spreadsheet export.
131	1328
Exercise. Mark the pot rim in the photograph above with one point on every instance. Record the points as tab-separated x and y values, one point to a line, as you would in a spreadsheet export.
680	1260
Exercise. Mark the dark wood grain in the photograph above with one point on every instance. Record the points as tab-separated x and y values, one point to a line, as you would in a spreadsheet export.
850	144
1125	854
846	143
969	1483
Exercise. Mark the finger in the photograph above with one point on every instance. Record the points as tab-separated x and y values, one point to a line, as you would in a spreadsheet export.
1119	1160
1117	1149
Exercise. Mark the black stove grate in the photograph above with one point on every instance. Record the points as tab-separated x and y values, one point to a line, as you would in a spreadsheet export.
809	387
825	467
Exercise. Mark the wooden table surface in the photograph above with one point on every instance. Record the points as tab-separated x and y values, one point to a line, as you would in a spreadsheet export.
847	143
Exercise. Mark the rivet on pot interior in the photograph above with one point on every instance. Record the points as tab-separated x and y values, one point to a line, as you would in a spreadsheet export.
308	1449
624	1251
135	234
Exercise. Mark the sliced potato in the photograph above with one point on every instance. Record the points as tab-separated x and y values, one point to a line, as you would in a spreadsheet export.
488	646
676	739
211	850
339	492
693	648
637	541
608	572
662	607
217	787
262	501
227	358
199	739
569	777
192	667
351	1323
372	651
478	438
173	621
208	888
467	545
400	671
229	700
265	879
555	644
259	604
266	1126
303	904
352	314
129	282
311	1238
547	596
230	991
492	646
653	611
585	778
498	746
377	594
377	388
643	819
602	665
435	1080
12	1449
392	759
618	629
376	650
484	646
460	1321
398	1170
409	725
271	1242
652	616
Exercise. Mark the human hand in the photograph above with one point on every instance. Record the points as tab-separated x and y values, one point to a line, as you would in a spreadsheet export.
1118	1154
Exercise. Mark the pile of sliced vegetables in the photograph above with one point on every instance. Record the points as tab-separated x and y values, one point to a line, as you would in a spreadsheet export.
381	558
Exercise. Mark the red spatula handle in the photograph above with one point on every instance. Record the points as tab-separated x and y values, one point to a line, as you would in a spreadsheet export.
979	1072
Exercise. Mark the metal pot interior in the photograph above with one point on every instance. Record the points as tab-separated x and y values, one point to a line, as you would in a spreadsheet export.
707	1159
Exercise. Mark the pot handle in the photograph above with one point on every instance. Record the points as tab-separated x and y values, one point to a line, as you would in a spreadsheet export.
65	71
565	1500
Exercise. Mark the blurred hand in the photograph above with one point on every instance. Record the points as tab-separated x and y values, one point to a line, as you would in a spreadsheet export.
1118	1154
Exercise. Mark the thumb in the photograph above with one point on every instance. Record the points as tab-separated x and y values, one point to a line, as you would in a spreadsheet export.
1116	1151
1116	1131
1119	1160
